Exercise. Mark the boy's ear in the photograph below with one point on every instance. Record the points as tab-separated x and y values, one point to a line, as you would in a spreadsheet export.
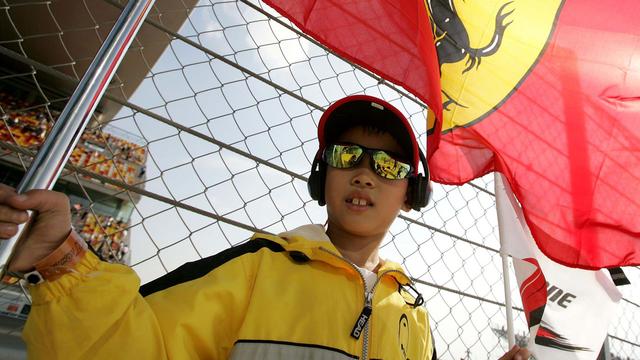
406	207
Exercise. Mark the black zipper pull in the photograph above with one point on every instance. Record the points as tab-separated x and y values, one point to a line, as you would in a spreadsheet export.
365	314
361	323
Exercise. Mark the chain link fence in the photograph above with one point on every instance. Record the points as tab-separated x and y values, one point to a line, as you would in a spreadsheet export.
206	135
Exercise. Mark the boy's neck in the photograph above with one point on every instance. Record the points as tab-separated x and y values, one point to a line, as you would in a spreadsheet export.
362	251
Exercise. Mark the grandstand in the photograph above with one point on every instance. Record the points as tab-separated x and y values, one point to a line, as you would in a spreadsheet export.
101	211
104	220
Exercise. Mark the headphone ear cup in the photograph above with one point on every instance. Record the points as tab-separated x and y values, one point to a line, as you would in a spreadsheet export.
315	184
419	192
420	187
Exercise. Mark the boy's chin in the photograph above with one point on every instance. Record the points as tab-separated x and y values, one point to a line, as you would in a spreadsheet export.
362	228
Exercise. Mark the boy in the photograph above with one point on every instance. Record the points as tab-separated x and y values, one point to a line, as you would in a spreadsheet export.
307	293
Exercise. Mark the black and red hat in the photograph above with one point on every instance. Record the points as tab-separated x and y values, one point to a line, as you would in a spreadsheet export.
365	110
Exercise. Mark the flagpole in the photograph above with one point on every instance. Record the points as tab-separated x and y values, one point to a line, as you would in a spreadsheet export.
499	186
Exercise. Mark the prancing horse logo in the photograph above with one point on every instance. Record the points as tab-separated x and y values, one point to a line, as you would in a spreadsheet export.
485	49
403	335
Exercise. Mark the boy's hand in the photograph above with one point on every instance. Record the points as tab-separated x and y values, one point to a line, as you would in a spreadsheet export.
48	230
516	353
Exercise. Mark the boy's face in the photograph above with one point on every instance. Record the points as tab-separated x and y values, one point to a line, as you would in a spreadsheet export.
384	197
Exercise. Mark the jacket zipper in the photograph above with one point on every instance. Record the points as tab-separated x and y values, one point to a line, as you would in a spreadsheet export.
365	314
368	304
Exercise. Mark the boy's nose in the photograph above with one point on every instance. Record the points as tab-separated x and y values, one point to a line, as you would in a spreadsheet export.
362	180
363	175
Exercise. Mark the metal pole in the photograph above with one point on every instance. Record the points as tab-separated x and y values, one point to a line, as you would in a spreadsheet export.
66	132
511	338
507	295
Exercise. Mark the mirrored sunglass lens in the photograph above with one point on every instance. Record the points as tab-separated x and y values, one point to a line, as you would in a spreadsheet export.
388	167
343	156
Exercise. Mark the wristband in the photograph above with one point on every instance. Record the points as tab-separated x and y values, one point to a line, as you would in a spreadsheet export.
61	261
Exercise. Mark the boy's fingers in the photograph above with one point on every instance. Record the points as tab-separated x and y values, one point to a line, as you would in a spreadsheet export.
6	192
11	215
511	353
523	354
39	200
7	230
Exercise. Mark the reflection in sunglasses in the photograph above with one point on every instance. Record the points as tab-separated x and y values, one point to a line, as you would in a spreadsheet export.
347	156
349	159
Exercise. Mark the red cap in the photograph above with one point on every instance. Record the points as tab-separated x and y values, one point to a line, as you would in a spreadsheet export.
365	108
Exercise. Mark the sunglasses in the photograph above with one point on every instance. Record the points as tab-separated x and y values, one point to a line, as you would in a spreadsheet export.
344	156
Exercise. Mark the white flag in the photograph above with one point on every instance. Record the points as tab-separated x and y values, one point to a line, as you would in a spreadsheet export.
568	310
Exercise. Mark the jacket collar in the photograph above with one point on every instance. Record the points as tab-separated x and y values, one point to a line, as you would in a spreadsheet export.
313	241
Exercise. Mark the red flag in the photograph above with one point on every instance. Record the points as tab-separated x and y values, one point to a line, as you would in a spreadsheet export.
548	93
390	38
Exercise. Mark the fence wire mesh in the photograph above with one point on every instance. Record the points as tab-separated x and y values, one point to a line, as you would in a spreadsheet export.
207	134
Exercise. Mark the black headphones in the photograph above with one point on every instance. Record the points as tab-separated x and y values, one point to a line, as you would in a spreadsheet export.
418	192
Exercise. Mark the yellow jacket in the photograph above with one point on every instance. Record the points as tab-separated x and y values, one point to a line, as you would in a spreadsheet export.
286	297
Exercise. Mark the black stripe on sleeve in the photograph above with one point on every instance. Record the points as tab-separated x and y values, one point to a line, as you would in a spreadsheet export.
196	269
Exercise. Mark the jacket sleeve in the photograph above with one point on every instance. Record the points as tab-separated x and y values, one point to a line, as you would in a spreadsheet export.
96	312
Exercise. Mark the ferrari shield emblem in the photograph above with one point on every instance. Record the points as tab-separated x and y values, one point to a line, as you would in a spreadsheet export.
486	48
